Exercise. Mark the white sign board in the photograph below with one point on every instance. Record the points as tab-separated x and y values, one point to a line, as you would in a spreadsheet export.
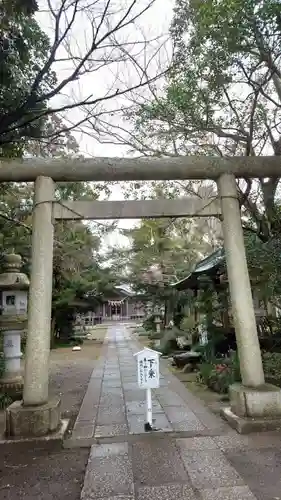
148	369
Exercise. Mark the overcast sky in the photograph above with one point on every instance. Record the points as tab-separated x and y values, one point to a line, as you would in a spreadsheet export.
152	24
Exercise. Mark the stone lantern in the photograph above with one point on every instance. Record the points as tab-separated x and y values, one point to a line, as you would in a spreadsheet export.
148	309
157	318
154	276
13	321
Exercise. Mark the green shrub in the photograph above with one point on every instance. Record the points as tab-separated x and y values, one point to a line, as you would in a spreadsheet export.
220	374
168	342
2	364
207	351
188	323
188	328
155	335
5	401
149	324
272	364
139	330
71	342
220	378
235	366
151	345
204	373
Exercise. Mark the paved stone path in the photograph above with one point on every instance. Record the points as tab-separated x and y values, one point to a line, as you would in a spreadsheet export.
194	455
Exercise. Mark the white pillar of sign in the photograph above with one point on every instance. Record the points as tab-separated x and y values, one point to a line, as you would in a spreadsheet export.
148	378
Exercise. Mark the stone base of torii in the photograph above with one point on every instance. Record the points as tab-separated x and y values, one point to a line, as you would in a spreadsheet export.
254	405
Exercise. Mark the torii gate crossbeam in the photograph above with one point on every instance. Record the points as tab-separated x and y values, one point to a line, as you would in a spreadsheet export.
138	169
136	209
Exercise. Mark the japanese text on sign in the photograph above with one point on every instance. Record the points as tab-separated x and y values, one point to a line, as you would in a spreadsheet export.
148	370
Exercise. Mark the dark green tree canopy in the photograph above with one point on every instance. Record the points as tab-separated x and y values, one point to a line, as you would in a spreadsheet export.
24	48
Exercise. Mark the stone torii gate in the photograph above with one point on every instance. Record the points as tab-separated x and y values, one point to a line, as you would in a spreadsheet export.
254	404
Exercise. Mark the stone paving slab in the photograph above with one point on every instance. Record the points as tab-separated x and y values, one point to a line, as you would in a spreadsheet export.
110	430
179	415
260	469
235	493
83	430
111	415
108	477
161	422
109	450
139	407
210	469
196	444
167	492
158	462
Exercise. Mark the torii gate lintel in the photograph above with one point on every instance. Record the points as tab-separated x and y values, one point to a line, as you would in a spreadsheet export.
137	209
138	169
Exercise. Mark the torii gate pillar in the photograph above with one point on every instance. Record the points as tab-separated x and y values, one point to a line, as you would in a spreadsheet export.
254	404
38	415
239	285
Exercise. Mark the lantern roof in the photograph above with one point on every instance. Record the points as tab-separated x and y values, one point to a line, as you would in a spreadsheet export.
12	278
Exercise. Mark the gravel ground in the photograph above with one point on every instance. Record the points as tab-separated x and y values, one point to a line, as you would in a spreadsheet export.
33	471
70	372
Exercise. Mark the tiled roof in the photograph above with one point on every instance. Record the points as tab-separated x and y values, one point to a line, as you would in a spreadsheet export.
209	263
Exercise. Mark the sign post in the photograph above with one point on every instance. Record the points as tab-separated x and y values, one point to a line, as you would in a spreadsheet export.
148	378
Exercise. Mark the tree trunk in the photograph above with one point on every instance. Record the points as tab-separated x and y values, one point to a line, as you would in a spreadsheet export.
53	331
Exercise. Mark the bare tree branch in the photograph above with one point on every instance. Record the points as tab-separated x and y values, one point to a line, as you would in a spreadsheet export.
109	42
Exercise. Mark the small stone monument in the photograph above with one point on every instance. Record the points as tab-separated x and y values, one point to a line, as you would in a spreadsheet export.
157	318
13	321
